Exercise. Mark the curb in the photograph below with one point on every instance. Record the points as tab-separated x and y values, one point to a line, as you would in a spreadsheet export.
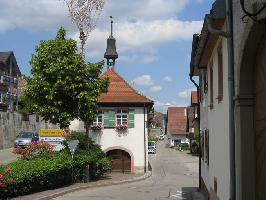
58	194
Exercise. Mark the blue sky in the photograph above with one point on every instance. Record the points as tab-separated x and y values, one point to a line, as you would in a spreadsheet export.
153	39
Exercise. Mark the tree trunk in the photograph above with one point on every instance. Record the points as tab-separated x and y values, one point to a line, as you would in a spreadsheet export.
87	169
87	128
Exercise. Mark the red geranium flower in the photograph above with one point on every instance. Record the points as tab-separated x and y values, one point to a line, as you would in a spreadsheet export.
2	184
1	176
9	180
7	170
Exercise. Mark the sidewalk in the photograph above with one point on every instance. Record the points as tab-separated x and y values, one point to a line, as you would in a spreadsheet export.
113	178
6	156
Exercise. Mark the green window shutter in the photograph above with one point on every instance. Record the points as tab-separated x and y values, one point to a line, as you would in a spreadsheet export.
109	118
131	118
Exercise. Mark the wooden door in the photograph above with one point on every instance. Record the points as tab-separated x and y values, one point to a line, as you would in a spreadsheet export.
120	160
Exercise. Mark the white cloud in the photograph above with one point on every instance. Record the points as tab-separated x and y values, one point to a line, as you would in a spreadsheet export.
168	78
185	94
33	15
144	36
144	80
139	25
156	88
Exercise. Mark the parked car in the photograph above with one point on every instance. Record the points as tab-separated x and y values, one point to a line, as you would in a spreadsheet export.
152	147
25	138
161	137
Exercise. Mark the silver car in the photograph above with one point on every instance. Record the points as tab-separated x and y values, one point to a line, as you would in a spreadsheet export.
25	138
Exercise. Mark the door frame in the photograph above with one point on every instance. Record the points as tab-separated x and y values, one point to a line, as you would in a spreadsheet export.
132	168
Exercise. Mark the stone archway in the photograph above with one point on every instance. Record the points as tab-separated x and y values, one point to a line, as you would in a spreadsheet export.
249	162
122	159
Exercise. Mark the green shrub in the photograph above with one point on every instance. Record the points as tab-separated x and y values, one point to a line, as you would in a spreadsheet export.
195	147
50	172
151	138
184	147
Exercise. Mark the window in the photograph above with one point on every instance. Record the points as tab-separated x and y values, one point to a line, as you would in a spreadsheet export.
220	73
99	118
121	117
211	85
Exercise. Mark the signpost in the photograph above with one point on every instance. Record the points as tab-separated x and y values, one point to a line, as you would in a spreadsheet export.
72	145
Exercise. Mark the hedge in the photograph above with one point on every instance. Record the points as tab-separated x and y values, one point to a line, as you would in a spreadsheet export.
50	172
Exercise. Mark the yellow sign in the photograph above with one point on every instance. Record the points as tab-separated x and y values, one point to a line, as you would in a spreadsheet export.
51	132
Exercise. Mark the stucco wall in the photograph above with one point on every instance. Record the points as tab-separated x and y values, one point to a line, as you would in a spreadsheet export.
216	121
132	140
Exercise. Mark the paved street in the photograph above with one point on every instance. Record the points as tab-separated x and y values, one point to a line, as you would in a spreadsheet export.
175	175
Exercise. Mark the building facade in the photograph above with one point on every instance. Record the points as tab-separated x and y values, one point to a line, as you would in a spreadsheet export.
210	58
9	75
176	126
238	121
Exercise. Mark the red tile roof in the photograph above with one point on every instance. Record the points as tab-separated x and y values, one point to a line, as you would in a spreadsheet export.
194	97
119	91
177	120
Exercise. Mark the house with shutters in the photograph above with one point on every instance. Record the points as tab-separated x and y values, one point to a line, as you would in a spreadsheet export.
121	123
122	117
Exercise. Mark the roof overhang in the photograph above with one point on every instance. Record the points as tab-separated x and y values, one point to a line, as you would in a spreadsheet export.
203	44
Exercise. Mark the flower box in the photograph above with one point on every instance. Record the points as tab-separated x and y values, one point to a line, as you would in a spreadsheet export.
96	127
121	127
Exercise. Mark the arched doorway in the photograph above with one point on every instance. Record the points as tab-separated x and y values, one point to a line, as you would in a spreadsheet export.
120	160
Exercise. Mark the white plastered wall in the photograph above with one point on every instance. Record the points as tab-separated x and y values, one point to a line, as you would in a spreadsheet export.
218	125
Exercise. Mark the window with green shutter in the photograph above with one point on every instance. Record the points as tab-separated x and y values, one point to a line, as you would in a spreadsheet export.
109	118
131	118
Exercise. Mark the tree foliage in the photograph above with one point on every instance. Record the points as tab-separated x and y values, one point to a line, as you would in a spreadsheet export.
63	86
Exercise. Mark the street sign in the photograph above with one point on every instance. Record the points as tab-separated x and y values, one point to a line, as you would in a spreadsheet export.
51	132
72	145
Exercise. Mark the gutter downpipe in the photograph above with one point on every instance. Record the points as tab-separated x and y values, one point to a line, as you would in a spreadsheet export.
145	153
231	92
231	89
198	112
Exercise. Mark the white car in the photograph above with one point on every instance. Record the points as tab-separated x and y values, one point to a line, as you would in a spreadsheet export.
161	137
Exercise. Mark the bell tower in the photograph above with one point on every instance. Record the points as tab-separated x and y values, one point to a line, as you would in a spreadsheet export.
110	53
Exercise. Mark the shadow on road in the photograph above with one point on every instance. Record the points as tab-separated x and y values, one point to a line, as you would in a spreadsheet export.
187	192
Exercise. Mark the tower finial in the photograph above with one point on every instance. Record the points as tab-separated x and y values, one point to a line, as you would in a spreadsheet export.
111	17
110	53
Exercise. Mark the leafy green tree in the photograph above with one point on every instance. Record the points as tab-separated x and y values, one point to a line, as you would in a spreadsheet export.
63	86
